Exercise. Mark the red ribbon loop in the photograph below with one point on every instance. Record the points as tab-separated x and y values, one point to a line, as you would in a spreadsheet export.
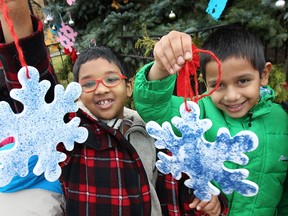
189	71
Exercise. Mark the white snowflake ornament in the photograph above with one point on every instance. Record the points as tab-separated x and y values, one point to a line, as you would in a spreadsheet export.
39	128
201	160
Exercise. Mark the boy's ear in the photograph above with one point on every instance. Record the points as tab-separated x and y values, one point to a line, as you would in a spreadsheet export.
266	73
129	87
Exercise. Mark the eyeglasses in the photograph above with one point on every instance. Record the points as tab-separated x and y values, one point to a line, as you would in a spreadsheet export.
110	80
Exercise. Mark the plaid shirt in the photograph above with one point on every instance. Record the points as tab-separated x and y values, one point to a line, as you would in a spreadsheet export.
104	175
34	56
111	177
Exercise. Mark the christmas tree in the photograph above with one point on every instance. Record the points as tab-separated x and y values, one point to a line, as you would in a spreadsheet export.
119	24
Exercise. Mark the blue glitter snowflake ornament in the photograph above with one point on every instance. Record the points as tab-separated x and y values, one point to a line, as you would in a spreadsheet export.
39	128
201	160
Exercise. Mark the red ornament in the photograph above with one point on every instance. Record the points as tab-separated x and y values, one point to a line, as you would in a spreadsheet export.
72	54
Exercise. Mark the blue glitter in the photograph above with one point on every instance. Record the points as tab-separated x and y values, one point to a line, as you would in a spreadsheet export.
201	160
39	128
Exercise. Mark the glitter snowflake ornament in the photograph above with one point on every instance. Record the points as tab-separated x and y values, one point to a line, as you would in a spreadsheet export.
39	128
201	160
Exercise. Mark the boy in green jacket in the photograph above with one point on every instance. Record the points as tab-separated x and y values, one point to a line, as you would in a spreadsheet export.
243	101
106	154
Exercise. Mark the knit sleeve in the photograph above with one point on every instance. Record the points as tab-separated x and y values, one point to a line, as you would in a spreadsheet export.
35	54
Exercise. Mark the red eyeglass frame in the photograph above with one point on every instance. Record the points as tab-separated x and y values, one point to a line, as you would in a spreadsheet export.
101	81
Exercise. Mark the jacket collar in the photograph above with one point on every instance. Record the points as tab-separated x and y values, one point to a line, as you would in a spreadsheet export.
115	123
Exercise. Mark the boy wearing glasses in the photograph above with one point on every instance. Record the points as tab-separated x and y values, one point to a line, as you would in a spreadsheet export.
113	172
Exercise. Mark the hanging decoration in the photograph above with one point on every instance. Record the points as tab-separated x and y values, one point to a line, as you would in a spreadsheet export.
116	5
280	4
66	36
49	18
70	2
172	15
55	28
216	7
40	127
201	160
72	54
71	21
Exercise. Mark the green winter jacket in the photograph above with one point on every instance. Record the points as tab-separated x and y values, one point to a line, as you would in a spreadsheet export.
267	164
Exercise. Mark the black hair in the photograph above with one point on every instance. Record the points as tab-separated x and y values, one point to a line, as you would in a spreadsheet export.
233	41
94	53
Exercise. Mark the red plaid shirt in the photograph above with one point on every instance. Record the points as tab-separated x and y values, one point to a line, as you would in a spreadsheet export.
36	55
104	175
110	176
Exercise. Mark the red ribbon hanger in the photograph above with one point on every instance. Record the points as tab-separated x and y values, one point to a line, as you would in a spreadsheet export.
189	70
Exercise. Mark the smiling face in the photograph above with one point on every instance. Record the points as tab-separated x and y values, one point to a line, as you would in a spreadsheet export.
104	103
240	85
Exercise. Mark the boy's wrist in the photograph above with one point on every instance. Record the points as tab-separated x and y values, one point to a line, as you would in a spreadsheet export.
19	13
30	44
157	72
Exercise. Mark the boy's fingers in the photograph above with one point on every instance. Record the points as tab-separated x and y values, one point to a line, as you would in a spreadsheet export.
176	45
181	44
163	53
160	57
201	205
173	50
208	206
186	46
194	203
212	208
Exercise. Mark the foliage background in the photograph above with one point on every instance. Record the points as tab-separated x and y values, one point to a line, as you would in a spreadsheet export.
120	24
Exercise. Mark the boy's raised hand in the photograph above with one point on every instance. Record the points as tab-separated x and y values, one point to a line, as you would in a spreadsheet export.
170	54
212	208
18	11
